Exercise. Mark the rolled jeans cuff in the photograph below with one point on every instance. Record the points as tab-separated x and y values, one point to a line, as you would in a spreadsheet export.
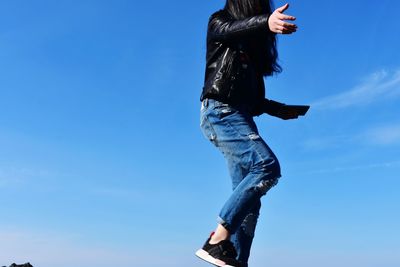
224	224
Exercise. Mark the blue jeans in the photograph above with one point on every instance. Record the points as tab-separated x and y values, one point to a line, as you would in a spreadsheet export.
252	165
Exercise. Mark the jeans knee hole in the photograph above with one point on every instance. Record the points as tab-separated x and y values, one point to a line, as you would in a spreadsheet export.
254	136
266	185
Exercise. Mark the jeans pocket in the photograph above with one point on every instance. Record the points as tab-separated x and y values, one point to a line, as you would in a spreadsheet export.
207	129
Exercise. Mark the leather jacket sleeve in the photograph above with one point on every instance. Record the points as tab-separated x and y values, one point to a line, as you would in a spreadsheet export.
224	28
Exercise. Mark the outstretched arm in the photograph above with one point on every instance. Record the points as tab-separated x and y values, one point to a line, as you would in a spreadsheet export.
222	27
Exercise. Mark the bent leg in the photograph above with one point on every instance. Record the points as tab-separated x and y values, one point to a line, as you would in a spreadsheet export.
253	167
240	213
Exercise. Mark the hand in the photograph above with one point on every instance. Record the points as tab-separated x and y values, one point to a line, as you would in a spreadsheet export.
287	113
277	23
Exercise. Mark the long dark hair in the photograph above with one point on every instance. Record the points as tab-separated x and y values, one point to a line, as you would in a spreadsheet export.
264	49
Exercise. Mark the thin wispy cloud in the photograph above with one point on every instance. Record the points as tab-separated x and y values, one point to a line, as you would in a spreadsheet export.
366	166
326	142
126	194
17	176
381	84
384	135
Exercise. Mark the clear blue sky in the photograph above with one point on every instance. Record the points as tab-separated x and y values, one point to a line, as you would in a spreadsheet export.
102	162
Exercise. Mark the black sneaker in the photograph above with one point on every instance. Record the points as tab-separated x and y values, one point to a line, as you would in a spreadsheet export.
221	254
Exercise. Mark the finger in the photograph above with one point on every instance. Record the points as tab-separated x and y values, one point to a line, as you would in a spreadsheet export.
289	29
287	25
285	17
283	30
280	29
283	8
286	30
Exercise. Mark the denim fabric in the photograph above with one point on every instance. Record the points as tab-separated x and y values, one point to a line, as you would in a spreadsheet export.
252	165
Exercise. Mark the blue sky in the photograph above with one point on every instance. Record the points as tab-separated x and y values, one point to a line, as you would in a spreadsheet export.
102	161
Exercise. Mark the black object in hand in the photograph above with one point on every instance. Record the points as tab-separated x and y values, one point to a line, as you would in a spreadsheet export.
300	109
289	112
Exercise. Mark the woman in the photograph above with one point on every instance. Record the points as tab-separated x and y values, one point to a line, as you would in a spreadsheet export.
241	50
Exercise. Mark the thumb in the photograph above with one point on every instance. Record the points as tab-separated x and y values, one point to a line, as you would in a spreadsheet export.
283	8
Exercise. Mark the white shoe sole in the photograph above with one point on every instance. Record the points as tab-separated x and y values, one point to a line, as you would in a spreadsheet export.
202	254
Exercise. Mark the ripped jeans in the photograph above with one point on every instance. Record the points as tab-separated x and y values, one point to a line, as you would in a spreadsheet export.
252	165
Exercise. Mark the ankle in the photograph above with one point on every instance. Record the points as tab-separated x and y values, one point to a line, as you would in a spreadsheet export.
221	233
216	238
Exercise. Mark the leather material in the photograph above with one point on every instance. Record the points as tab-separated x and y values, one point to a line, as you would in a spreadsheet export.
231	76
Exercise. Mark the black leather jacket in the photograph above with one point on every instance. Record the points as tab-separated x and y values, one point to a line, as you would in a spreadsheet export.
231	76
